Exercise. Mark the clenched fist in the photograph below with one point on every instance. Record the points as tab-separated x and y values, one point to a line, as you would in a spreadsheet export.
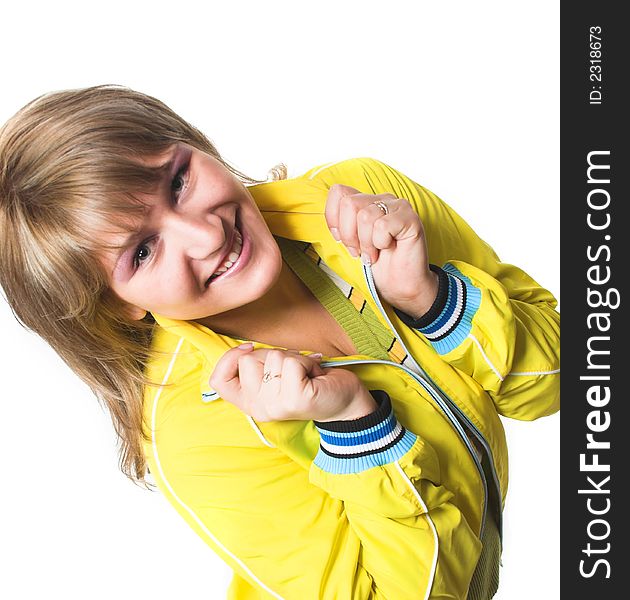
281	385
388	234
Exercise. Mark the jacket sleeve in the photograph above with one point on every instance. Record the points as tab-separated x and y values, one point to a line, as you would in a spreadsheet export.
491	320
364	520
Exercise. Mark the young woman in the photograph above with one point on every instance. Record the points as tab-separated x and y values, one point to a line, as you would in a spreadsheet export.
312	369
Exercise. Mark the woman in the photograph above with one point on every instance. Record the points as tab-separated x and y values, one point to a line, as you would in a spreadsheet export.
312	369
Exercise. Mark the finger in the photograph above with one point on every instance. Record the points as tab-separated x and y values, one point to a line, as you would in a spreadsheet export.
295	380
349	208
250	374
316	370
309	361
397	227
273	366
382	235
335	193
260	354
311	364
225	377
366	219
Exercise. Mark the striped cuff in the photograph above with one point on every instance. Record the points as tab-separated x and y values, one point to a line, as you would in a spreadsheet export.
449	320
371	441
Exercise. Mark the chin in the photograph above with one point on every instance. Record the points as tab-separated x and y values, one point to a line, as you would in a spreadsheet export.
263	273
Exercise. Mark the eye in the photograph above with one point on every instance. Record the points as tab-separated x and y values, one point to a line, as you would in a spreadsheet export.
179	181
142	253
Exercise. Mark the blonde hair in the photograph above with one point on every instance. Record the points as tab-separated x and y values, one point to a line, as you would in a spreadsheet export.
71	163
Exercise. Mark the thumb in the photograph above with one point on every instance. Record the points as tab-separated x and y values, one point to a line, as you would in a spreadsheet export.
315	369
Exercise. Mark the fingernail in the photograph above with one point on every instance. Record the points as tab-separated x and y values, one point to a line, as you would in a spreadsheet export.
353	251
316	355
365	259
246	346
335	233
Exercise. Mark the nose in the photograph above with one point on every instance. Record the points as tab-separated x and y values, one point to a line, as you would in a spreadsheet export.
199	237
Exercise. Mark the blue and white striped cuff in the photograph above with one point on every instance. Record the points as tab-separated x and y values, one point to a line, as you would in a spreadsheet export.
449	321
354	446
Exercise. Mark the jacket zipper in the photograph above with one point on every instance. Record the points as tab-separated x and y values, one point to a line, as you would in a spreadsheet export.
369	278
442	400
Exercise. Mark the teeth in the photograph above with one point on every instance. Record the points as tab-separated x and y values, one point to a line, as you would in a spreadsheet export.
233	256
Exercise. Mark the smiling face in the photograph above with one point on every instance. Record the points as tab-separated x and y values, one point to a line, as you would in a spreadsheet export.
200	249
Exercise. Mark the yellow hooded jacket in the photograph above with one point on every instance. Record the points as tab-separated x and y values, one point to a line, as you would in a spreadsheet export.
400	517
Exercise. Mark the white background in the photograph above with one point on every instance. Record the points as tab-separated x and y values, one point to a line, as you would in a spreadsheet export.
461	96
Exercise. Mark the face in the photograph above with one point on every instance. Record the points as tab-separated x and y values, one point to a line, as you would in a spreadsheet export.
202	248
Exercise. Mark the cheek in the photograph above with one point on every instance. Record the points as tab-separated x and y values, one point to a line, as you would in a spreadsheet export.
158	293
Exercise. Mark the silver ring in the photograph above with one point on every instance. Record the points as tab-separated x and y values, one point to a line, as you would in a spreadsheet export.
267	376
382	206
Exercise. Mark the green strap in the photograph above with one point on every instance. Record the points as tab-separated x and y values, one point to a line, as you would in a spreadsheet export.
331	298
485	579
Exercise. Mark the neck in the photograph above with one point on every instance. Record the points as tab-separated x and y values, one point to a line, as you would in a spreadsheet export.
262	319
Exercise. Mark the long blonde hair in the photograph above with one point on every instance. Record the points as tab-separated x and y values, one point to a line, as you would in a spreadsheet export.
71	163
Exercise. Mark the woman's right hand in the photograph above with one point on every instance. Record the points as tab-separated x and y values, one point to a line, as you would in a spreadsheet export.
297	387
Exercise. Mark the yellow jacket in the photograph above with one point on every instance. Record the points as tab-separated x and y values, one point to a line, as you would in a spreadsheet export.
294	522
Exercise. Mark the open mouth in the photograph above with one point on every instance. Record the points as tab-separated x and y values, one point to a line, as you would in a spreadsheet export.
232	256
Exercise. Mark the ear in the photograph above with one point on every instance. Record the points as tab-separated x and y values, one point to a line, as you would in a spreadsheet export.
137	313
118	305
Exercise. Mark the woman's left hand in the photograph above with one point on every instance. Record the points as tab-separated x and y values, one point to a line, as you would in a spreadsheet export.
394	244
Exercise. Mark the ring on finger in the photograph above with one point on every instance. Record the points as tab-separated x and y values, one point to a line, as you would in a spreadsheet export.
382	206
267	376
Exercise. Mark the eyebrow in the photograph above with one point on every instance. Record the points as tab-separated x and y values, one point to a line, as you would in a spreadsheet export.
134	233
134	236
